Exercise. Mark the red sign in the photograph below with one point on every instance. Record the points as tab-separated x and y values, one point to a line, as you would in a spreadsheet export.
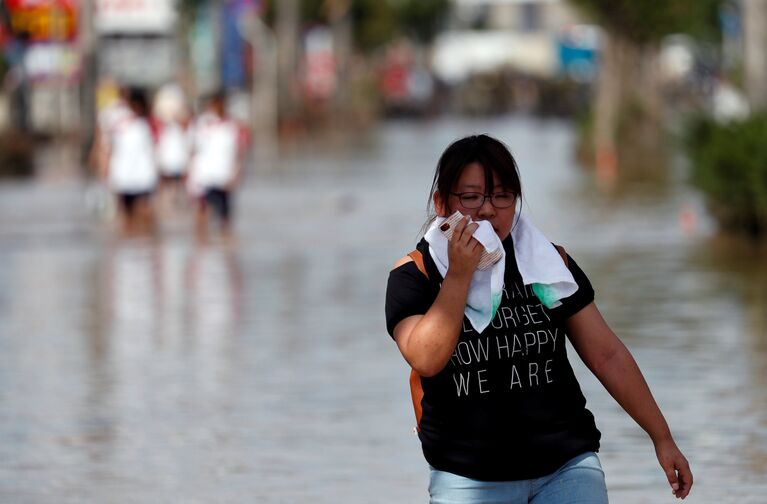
44	20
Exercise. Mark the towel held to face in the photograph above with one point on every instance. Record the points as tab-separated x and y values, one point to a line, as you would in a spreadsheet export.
539	263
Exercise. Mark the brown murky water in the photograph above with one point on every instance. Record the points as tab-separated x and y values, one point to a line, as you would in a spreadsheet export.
164	371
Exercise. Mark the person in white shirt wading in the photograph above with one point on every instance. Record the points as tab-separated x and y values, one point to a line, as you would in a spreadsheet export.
171	115
217	161
131	167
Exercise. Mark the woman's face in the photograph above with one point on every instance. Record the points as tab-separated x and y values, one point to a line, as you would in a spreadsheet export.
472	180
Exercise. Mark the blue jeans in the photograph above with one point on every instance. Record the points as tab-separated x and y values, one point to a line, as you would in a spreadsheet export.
579	481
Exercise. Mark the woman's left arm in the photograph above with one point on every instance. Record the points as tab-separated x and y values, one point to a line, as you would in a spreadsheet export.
612	363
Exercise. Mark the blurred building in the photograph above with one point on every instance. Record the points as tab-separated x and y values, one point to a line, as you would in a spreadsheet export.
526	36
57	52
536	56
136	41
43	63
58	49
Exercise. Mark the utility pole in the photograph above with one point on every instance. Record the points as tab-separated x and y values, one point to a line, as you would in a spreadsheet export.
185	73
87	42
755	51
340	21
264	104
288	18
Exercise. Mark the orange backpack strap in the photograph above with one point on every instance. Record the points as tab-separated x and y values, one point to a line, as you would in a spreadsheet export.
416	394
416	389
417	257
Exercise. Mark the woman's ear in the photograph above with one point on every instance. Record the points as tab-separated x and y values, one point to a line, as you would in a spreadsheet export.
440	205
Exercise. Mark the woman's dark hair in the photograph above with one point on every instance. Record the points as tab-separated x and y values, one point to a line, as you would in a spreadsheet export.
489	152
137	101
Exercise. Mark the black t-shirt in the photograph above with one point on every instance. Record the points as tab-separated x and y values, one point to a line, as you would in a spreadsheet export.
507	405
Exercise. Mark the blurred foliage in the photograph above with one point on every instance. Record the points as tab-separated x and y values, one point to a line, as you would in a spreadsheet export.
421	19
730	166
506	91
4	28
188	7
3	67
374	22
647	22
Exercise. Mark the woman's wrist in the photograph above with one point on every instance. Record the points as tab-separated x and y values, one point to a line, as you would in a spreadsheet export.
459	275
663	436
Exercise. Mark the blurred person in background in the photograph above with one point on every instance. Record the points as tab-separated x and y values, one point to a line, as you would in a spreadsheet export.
501	416
112	107
174	143
218	150
131	167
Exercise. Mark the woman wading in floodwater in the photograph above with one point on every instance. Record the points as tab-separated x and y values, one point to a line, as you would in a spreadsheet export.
481	311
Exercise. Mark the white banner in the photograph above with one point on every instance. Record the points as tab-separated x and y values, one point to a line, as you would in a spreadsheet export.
135	16
125	59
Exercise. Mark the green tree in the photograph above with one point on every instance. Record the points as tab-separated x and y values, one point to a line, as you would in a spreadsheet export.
376	22
628	108
729	164
648	22
421	19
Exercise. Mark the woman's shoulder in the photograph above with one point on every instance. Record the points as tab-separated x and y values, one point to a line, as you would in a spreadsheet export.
402	261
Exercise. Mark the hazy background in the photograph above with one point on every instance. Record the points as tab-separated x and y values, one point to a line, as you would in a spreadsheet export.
161	368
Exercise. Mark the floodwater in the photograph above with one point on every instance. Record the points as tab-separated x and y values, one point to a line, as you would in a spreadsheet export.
162	370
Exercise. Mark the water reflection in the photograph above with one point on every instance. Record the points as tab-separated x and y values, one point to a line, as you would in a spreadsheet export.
212	294
158	353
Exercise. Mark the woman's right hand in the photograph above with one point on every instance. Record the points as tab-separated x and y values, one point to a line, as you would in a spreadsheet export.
463	250
427	341
675	466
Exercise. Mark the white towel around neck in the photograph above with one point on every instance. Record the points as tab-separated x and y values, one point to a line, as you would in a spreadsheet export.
540	264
